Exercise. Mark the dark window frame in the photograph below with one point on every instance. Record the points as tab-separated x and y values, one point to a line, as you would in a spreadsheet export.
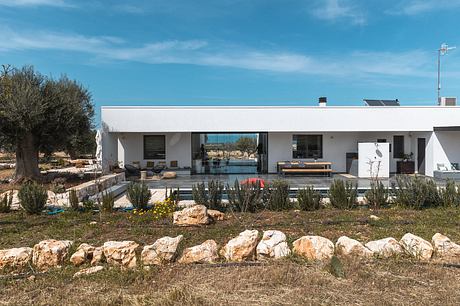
159	154
398	146
307	154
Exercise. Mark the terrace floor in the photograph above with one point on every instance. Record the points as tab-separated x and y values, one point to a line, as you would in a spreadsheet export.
187	181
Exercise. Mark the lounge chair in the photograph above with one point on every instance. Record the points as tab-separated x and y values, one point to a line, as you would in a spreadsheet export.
132	171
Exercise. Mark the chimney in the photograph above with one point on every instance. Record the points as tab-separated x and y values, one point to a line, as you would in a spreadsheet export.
323	101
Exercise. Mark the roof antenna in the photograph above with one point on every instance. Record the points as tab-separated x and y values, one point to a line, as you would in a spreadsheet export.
443	50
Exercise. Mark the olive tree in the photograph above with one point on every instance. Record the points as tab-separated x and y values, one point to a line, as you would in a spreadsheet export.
40	114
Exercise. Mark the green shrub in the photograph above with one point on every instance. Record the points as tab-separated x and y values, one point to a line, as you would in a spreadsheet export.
415	192
211	198
245	198
277	196
73	200
139	195
450	195
88	205
107	202
343	195
377	195
173	195
5	202
199	194
32	197
215	191
308	199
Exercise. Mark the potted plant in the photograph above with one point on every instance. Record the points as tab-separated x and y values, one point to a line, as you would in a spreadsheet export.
406	165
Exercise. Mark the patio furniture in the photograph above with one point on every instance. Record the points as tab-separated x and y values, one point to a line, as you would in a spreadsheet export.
447	172
131	170
169	175
297	167
150	164
405	167
143	175
253	181
173	164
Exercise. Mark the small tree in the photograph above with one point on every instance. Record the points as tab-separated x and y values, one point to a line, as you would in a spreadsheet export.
247	145
38	113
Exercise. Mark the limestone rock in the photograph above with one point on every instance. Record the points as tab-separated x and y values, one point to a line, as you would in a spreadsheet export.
203	253
50	253
314	248
374	217
121	253
88	271
195	215
386	247
15	259
216	215
98	254
416	247
242	247
445	249
346	246
273	245
86	253
161	252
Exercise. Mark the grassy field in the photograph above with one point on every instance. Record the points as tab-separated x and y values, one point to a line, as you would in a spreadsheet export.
284	282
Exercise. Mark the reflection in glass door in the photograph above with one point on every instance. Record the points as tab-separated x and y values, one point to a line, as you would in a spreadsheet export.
229	153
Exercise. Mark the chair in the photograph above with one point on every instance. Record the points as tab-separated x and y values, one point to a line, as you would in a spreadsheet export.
150	164
132	171
173	164
137	164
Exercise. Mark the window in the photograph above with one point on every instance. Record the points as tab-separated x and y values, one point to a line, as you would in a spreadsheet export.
154	147
398	144
307	146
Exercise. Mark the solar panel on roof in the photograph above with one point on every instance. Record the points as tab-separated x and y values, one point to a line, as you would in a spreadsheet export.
381	102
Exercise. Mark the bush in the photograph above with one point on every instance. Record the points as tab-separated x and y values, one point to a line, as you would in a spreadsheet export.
415	192
245	198
108	202
211	198
163	209
199	194
308	199
32	197
88	205
377	196
277	196
5	202
450	195
73	200
343	195
139	195
173	195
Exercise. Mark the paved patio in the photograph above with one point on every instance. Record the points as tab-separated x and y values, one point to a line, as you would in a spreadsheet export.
295	182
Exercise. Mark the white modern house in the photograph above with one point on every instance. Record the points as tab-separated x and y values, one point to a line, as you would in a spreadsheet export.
429	136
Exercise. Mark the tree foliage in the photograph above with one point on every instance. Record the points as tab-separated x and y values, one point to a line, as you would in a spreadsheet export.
247	145
40	114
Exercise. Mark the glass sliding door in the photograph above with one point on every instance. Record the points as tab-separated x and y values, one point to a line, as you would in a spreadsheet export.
228	153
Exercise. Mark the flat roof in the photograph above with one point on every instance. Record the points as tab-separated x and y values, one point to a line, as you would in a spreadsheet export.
160	119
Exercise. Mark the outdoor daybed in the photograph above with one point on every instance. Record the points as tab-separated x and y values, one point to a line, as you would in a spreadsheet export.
447	172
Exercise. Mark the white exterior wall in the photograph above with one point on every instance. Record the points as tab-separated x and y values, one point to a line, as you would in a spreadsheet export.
279	119
131	148
446	148
335	147
342	129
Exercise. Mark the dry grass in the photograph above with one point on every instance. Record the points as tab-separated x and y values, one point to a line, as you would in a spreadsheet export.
291	281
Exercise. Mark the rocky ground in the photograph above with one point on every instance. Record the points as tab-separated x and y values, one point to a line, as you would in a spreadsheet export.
288	281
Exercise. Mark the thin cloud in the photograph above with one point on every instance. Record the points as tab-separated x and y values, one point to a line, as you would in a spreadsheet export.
335	10
35	3
199	52
417	7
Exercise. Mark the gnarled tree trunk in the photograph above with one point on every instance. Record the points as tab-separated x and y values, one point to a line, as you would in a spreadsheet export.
27	159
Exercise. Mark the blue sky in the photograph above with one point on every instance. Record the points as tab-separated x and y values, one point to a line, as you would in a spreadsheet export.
229	52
